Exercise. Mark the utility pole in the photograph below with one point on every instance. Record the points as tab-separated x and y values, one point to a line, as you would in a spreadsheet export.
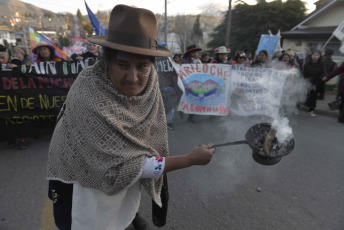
166	22
228	24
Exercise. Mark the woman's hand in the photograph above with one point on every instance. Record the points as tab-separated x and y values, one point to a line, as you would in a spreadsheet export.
201	155
324	79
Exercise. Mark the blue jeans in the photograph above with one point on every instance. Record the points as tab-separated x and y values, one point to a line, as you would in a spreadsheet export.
169	116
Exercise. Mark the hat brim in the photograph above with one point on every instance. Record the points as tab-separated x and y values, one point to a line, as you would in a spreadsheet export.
160	52
35	50
193	50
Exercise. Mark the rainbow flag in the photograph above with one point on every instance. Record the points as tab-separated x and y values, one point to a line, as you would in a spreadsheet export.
36	38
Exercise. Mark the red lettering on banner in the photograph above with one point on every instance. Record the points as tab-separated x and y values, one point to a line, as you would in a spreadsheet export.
205	68
211	70
70	82
197	108
191	108
31	84
203	108
42	81
14	83
208	109
193	70
223	110
226	74
186	107
6	83
220	72
182	75
187	70
22	85
215	109
198	70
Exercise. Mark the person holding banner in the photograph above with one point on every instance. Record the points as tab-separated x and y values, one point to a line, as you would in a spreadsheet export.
91	56
22	56
45	52
220	55
4	55
191	55
111	135
240	59
262	60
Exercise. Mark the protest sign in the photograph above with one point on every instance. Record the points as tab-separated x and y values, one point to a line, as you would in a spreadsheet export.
268	43
222	89
204	87
339	32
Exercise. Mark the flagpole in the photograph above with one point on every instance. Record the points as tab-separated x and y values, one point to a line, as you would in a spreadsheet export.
327	42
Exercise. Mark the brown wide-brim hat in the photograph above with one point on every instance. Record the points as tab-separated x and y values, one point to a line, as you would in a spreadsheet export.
191	49
132	30
43	44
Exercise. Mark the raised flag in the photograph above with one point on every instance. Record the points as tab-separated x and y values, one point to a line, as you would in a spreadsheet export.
36	38
98	28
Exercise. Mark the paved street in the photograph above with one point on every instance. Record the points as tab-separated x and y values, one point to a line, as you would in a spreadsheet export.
305	191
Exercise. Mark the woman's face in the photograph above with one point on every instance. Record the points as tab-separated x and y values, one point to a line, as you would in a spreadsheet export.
44	52
19	55
286	59
92	48
222	57
129	73
315	57
262	57
205	59
241	60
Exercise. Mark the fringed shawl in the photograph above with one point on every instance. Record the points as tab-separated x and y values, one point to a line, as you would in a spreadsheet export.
103	136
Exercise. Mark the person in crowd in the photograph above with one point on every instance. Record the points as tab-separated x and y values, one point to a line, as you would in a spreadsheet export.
191	55
329	66
205	58
339	70
283	62
262	60
240	59
314	72
4	55
91	56
176	58
111	138
220	55
45	52
293	62
23	56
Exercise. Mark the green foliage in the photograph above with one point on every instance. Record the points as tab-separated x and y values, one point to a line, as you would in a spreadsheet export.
197	33
88	28
64	41
250	21
79	15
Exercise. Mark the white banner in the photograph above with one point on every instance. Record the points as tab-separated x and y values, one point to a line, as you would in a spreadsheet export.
216	89
339	32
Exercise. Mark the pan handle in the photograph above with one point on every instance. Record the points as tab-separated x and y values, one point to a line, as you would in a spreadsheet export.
230	143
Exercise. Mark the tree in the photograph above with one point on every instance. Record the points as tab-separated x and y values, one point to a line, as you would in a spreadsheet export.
79	15
88	28
183	28
64	41
197	33
250	21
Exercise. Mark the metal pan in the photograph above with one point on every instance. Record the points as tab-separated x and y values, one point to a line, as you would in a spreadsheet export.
255	137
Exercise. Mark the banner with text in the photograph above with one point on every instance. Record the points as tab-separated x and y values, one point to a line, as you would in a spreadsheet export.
215	89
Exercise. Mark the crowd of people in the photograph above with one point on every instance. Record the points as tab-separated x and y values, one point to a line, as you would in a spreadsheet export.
317	68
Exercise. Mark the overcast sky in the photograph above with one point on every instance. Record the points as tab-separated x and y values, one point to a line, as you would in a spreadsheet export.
157	6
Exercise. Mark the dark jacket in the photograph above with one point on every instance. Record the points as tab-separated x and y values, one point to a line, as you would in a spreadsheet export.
339	70
314	72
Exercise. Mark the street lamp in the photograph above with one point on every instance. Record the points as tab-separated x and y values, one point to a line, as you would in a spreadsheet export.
228	24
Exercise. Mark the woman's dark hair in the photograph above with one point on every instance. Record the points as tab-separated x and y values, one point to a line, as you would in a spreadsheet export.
264	51
281	57
176	55
204	55
309	58
329	52
108	54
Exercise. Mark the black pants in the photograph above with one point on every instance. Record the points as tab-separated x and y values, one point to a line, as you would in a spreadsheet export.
321	90
312	99
62	196
341	110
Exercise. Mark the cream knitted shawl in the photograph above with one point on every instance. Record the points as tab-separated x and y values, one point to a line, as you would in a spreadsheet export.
103	136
